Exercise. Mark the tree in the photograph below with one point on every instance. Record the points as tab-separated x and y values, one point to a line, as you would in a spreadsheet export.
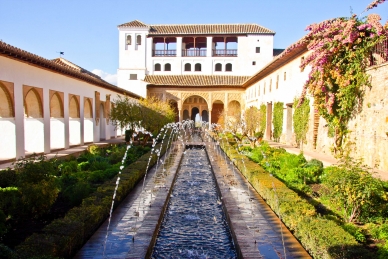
263	118
301	120
339	50
252	120
277	120
147	116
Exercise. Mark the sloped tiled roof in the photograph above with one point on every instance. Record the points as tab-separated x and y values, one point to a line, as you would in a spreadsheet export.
201	29
196	80
135	23
60	66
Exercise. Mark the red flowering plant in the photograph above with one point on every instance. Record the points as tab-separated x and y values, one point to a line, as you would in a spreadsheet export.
339	51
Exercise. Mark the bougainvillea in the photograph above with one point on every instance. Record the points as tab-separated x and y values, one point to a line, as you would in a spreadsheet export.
339	51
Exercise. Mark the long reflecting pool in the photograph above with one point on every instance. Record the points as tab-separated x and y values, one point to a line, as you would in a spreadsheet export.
194	225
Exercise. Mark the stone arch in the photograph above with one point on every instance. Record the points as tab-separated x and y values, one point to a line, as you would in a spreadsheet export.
205	96
33	104
56	106
102	124
234	107
88	109
6	103
205	115
217	110
73	107
194	112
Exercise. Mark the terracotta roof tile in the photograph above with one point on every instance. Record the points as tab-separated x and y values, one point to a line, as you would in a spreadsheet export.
60	66
135	23
196	80
202	29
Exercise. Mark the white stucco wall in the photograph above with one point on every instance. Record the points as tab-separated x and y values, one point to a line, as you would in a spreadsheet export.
44	134
8	138
57	133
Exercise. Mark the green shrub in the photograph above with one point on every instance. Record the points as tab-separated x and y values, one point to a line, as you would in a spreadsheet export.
355	231
83	166
68	167
322	238
7	178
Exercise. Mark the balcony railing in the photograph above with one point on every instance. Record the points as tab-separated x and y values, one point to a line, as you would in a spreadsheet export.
193	52
164	53
225	53
379	54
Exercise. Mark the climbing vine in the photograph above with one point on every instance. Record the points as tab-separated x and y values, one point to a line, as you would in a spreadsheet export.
277	120
301	120
339	51
263	118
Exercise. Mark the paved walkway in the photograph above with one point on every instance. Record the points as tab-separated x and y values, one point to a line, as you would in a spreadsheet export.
326	159
71	151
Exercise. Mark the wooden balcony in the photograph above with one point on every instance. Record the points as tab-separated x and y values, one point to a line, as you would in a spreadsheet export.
164	53
194	53
224	52
379	54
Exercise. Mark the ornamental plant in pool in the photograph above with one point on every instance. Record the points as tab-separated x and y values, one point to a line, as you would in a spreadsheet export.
37	190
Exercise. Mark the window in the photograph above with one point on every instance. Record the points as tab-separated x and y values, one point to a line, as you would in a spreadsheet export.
264	88
277	81
285	76
270	85
132	76
197	67
158	67
257	49
138	39
218	67
301	62
187	67
128	40
167	67
253	63
228	67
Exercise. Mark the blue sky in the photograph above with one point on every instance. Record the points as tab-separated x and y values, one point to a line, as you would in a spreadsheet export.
86	30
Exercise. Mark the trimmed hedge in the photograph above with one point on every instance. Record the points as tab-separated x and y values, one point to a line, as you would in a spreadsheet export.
321	237
63	237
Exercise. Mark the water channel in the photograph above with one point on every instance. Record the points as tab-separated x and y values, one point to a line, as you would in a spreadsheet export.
194	225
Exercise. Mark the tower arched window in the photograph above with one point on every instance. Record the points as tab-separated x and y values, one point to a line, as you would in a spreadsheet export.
197	67
218	67
167	67
228	67
129	40
158	67
187	67
138	39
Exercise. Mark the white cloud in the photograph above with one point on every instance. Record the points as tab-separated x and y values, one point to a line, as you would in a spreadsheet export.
106	76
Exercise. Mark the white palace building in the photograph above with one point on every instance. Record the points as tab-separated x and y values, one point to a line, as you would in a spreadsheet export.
202	69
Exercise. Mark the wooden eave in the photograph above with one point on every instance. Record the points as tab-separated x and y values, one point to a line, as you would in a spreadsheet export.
20	55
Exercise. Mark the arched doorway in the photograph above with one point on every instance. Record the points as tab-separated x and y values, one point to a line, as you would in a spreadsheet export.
217	112
194	112
186	115
33	122
74	122
57	122
88	121
7	123
205	116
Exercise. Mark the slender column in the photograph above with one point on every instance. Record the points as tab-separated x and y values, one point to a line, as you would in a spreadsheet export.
179	46
82	119
46	120
19	119
210	119
209	46
66	118
180	115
